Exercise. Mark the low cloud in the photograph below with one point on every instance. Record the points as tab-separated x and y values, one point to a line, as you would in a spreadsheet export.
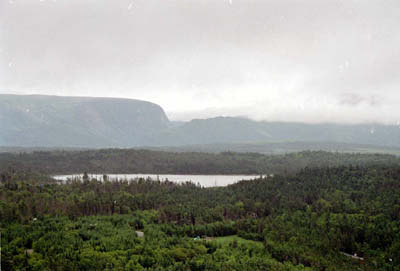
355	99
275	60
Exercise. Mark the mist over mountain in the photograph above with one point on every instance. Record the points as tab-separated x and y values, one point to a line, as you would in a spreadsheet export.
53	121
288	60
38	120
230	129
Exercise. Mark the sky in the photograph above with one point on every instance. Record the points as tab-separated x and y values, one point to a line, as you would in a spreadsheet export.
275	60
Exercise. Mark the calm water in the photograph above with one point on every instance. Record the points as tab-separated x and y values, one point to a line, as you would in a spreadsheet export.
204	180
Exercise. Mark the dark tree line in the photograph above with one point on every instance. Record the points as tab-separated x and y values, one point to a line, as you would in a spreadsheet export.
159	162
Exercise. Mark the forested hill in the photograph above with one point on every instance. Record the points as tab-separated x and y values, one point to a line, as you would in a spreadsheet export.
159	162
304	222
52	121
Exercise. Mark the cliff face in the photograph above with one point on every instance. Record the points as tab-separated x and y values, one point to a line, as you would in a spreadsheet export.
38	120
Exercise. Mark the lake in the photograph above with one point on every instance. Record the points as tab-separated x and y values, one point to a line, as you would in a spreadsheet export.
204	180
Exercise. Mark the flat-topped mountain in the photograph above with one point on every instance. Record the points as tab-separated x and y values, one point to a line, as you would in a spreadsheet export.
39	120
53	121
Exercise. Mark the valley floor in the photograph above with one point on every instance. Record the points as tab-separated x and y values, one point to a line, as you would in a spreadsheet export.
312	219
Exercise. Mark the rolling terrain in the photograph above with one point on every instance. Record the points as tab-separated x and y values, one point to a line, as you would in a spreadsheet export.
52	121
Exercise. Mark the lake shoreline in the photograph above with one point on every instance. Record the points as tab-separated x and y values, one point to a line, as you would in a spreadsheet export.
203	180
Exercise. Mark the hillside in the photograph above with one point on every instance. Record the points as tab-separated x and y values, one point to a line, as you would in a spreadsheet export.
52	121
235	130
46	121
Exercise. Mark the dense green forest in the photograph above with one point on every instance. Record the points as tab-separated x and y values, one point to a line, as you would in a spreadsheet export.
266	147
161	162
313	219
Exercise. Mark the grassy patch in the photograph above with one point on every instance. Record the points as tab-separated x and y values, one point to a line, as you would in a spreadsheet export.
228	239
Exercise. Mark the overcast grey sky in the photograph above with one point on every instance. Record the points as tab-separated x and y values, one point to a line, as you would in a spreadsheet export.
288	60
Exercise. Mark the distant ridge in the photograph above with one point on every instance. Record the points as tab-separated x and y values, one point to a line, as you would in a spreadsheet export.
86	122
47	121
241	130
